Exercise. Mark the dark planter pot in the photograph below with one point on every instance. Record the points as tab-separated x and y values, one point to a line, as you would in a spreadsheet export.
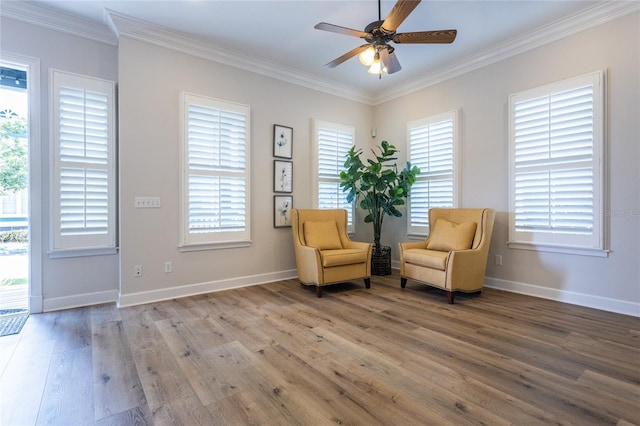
381	261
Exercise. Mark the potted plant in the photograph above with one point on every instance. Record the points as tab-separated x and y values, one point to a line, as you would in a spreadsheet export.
381	189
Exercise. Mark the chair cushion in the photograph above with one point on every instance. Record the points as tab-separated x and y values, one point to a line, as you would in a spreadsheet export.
448	236
342	257
322	235
428	258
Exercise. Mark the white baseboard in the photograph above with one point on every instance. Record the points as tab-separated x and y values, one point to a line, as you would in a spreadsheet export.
581	299
96	298
140	298
79	300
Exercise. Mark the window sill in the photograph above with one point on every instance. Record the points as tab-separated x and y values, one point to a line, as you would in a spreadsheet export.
417	237
581	251
62	254
213	246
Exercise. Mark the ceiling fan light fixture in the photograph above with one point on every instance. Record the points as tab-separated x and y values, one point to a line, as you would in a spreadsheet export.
376	66
367	57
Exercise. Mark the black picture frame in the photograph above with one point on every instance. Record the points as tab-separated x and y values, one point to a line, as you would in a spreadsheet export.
282	205
282	141
282	176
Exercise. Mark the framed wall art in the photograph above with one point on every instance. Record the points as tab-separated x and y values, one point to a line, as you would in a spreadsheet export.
282	176
282	205
282	141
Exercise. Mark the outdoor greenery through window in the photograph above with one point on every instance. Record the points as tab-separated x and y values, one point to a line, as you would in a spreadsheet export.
14	202
433	145
332	143
556	157
84	189
215	178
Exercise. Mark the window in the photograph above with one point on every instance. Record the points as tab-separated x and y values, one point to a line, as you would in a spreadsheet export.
332	143
433	148
215	173
84	189
556	156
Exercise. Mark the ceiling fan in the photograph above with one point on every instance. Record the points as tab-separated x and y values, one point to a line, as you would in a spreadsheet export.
379	34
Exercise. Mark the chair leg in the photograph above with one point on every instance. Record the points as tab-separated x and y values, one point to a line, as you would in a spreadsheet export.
403	282
319	291
450	297
367	282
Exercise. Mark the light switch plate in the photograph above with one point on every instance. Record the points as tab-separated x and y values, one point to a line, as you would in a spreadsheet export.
147	202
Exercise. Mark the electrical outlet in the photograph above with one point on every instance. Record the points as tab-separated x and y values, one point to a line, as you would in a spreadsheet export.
497	259
137	271
168	267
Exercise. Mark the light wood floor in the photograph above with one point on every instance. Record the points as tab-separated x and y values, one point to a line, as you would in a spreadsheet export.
276	355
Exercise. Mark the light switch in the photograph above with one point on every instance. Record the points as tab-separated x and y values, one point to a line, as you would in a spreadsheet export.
147	202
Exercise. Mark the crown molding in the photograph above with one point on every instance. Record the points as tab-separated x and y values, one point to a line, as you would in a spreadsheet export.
54	19
144	31
599	14
118	25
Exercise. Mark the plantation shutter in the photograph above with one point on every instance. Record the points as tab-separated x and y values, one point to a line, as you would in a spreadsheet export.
217	183
431	148
84	156
555	162
84	193
333	144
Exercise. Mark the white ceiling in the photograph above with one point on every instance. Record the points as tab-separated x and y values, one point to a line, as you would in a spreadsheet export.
281	33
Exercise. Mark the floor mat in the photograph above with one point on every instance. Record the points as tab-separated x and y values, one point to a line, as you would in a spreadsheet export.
12	324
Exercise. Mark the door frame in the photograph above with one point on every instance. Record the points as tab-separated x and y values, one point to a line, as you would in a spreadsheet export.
35	172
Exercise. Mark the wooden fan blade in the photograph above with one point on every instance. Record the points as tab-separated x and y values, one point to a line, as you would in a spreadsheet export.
340	30
441	36
390	61
398	14
347	55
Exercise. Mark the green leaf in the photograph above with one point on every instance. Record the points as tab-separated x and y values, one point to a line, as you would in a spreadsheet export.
13	155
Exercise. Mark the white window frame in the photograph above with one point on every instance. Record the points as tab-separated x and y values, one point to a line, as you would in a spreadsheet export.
316	179
81	244
416	229
221	239
592	244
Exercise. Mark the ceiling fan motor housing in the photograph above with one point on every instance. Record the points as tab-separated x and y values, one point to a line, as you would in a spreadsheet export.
377	36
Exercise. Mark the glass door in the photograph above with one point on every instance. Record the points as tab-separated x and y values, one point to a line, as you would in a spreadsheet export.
14	190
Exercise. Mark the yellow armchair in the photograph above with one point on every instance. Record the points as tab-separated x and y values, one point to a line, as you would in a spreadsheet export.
454	255
324	252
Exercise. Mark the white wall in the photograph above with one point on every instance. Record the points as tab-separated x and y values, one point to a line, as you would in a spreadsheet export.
482	96
81	280
151	79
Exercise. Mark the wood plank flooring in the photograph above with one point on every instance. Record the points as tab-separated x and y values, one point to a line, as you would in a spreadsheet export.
276	355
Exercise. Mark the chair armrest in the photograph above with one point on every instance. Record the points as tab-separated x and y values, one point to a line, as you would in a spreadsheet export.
368	247
359	245
467	269
407	246
412	245
309	264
